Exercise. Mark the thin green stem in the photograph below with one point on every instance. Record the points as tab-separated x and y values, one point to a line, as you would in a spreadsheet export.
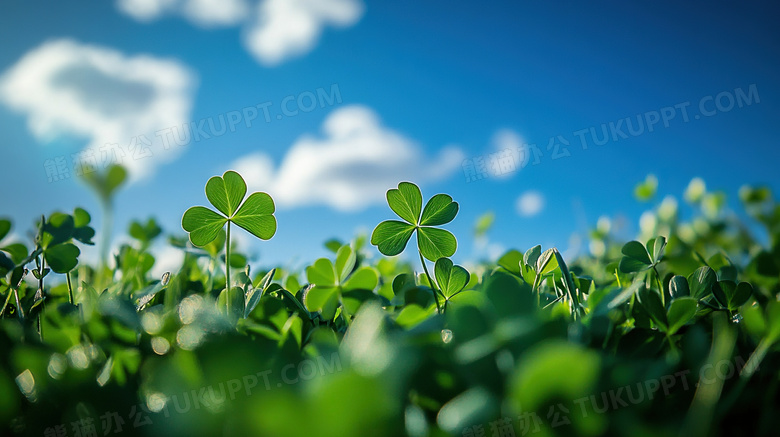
7	300
430	281
43	304
70	289
535	289
105	240
18	304
227	269
672	345
558	299
660	287
755	358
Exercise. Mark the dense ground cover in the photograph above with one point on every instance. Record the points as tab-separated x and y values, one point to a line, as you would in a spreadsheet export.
674	333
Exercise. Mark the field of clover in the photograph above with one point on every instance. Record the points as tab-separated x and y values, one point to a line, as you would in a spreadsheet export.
674	333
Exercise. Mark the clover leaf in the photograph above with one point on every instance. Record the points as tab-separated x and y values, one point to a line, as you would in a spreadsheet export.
339	282
452	279
392	236
226	193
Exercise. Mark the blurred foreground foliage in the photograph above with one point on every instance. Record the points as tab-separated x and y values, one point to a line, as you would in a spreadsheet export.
674	333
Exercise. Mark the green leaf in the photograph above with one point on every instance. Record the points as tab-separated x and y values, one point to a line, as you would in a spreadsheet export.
439	210
84	235
567	279
203	224
465	298
81	217
680	312
144	232
6	264
265	281
678	287
451	278
484	223
618	297
651	302
115	177
322	273
324	299
333	245
345	262
62	258
256	215
741	296
17	251
5	227
656	248
236	296
546	262
701	282
645	190
57	229
406	201
553	370
722	290
226	192
364	278
730	294
391	236
635	258
436	243
352	300
412	315
511	261
532	255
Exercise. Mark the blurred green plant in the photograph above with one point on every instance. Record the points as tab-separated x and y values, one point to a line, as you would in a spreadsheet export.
621	341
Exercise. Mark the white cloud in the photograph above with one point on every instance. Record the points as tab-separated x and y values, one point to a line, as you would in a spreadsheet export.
204	13
289	28
510	147
145	10
274	30
530	203
103	95
350	168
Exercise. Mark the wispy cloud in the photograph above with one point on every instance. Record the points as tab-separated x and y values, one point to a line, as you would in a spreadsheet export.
203	13
350	167
530	203
274	30
65	87
509	142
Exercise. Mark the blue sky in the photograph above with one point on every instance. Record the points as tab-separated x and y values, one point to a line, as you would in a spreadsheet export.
422	86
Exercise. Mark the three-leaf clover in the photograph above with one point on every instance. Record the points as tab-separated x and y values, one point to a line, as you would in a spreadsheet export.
638	257
339	282
391	236
226	193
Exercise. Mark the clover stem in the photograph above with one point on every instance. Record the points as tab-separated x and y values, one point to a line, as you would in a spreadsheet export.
18	304
430	281
70	288
105	237
227	269
671	344
660	287
40	288
535	289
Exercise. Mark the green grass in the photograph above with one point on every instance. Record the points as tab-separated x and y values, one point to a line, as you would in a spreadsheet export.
673	334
